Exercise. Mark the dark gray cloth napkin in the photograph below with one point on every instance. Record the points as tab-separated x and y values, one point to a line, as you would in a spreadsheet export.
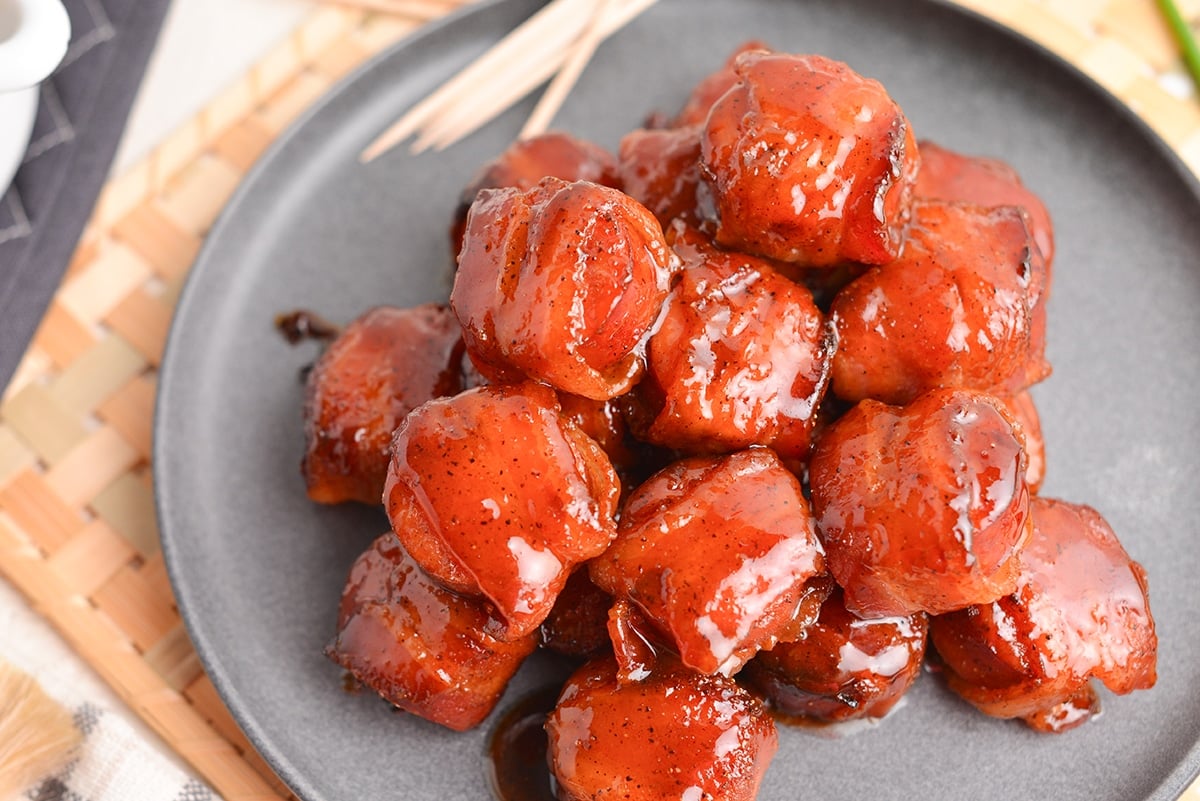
81	115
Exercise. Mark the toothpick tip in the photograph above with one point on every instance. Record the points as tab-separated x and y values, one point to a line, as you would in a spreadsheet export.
383	144
440	120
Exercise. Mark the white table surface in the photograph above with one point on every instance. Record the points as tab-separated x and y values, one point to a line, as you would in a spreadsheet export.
205	46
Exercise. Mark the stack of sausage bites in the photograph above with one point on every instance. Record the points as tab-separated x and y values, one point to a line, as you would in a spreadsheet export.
738	417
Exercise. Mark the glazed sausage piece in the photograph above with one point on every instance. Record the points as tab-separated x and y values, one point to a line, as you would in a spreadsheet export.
709	90
843	667
949	176
1080	611
382	366
528	161
561	284
660	168
424	649
716	553
946	175
960	308
741	357
921	508
809	162
1029	425
495	493
677	734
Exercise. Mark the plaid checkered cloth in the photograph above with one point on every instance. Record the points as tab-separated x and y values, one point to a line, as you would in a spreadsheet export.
115	764
119	760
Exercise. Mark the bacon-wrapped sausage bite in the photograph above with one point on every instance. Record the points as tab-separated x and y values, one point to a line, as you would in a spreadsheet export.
921	508
809	162
382	366
710	89
561	284
962	307
495	493
741	358
423	648
553	154
577	626
1079	611
946	175
675	734
843	667
660	168
716	552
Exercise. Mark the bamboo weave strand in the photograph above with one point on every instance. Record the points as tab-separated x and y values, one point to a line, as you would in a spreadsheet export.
78	535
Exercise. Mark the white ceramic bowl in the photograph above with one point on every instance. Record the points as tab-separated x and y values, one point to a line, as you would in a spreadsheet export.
18	110
34	35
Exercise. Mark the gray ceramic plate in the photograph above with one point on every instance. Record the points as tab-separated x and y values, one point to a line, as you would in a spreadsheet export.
258	569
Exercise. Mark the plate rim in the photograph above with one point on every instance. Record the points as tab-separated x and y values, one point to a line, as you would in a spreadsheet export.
1169	787
1189	177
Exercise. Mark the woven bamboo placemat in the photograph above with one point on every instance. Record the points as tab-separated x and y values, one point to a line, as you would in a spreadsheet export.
78	533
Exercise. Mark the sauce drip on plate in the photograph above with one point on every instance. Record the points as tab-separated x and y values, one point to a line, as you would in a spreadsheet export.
516	751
